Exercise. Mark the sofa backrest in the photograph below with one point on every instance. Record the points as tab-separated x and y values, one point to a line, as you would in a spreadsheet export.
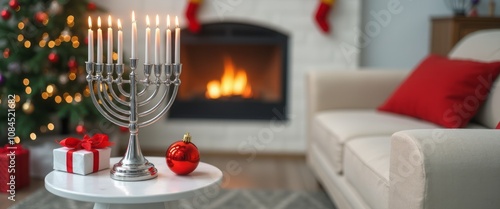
484	46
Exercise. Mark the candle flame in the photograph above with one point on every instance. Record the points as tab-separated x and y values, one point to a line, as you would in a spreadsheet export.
90	22
176	22
119	24
147	20
109	21
99	21
168	21
133	16
157	20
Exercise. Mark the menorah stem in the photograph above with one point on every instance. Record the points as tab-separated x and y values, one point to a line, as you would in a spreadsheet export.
133	166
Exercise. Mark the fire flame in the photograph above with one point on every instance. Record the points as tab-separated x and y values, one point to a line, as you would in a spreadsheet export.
233	83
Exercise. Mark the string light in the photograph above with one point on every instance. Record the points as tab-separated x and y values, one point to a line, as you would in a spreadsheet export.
57	42
52	44
17	140
26	81
72	76
50	126
20	37
27	44
17	98
45	95
43	129
86	92
78	97
70	19
115	56
76	44
28	90
50	89
58	99
33	136
20	25
68	99
42	43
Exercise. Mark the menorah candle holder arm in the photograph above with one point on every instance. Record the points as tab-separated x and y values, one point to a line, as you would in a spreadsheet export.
119	79
177	72
90	78
156	106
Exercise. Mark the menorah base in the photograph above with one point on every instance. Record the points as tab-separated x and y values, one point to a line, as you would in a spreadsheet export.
133	172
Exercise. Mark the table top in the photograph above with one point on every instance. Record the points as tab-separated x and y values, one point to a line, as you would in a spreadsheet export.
99	187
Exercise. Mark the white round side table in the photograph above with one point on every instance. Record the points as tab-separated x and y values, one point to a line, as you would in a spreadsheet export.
107	193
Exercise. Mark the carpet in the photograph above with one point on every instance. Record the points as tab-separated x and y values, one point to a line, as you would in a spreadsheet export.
225	199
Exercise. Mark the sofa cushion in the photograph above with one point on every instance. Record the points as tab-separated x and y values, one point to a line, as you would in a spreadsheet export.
366	168
444	91
331	129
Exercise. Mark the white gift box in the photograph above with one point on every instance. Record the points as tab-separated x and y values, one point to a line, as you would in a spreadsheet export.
82	161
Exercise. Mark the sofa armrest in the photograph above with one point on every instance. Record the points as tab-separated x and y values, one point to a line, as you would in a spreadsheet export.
350	89
445	169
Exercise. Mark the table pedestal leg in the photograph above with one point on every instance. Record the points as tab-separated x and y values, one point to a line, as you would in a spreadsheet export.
159	205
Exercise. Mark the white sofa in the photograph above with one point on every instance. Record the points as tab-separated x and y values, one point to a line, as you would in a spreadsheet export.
366	159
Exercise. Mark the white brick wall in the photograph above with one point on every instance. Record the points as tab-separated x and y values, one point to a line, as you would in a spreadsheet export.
310	50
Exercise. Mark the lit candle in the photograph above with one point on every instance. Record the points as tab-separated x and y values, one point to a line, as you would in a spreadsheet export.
134	36
157	41
99	41
177	41
90	42
120	43
168	51
110	41
148	41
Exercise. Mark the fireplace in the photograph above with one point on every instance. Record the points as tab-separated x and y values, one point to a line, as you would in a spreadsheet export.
232	71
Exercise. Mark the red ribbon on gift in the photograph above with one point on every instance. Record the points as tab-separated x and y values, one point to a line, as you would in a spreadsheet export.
98	141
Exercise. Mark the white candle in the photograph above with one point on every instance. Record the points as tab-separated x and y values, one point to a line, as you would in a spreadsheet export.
99	41
148	41
168	51
110	41
134	36
177	41
90	42
157	41
120	43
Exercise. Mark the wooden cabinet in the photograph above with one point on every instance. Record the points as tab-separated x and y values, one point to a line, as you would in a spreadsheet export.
447	31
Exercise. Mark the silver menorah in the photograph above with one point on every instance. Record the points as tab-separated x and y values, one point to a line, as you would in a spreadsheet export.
123	110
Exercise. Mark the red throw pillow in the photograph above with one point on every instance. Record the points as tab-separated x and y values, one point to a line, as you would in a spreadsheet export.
444	91
498	126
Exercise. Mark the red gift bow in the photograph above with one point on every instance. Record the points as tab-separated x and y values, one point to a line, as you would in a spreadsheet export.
98	141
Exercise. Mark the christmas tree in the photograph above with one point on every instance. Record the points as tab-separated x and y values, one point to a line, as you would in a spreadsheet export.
44	49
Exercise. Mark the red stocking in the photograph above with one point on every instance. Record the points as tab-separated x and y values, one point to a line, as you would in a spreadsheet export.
322	13
191	11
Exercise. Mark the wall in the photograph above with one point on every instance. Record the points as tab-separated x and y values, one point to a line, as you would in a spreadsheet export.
310	49
404	39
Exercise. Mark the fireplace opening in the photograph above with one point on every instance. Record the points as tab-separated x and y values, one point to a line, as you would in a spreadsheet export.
232	71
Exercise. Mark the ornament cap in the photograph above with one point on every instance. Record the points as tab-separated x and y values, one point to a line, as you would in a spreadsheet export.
186	138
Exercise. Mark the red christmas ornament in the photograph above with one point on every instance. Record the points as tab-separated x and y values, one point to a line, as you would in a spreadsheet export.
80	129
182	156
53	57
91	6
41	17
14	4
72	63
5	14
